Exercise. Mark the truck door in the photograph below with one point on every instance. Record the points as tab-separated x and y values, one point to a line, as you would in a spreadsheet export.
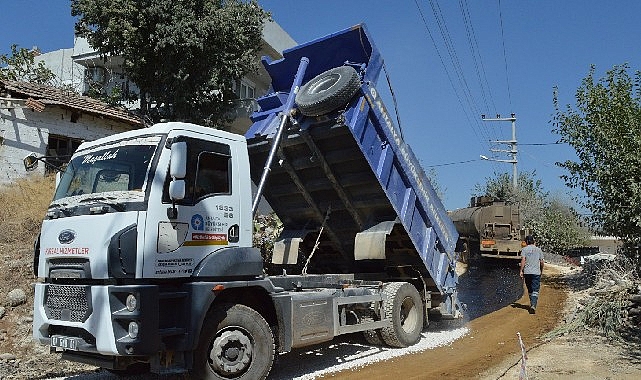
207	219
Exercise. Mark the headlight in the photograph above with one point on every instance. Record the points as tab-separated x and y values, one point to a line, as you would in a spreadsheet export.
133	329
131	302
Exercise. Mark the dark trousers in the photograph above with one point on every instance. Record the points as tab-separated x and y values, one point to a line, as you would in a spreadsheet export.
533	284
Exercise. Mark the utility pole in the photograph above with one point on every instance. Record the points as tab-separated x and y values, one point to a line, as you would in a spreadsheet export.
512	143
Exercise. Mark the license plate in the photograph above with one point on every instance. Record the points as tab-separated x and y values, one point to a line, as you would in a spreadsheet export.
65	342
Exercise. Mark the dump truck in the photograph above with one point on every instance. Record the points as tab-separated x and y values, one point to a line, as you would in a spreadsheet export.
489	228
145	256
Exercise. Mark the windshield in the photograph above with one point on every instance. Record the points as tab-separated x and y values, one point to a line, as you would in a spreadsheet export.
120	169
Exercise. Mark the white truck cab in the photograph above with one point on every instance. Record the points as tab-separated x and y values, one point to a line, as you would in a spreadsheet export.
113	230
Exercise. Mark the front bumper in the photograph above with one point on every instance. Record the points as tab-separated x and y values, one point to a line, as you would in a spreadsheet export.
96	319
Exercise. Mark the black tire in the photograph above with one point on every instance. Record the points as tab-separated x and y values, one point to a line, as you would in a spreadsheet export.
328	91
404	306
235	343
372	337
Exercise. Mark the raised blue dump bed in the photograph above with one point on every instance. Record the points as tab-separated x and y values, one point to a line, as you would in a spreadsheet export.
353	166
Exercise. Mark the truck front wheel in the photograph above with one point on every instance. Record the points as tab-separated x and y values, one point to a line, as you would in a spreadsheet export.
236	343
404	306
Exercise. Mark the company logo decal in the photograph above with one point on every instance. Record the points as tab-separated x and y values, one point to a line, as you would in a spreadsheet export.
109	155
67	236
199	238
197	222
66	251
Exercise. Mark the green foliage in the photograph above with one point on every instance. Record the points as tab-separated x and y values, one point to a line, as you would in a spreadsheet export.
184	56
432	175
500	187
556	225
604	128
267	228
21	66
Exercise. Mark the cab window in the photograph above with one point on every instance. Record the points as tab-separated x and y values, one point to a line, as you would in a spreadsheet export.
212	176
208	171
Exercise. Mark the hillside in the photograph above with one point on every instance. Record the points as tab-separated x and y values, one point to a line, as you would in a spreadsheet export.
22	207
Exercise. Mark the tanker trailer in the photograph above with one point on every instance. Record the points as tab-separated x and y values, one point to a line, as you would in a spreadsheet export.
489	228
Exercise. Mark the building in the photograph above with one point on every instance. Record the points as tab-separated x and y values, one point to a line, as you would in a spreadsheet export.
51	122
82	66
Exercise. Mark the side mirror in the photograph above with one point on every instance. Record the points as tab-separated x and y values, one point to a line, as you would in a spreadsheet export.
30	162
177	189
178	160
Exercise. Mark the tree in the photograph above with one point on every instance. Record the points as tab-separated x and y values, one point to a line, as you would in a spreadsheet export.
184	56
21	66
500	187
558	226
604	128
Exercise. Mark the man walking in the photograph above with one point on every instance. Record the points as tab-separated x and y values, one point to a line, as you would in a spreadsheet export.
531	269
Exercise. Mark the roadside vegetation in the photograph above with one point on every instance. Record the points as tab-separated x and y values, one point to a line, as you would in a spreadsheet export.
24	204
604	128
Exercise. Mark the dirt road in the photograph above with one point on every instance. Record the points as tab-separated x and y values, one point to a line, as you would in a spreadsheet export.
491	342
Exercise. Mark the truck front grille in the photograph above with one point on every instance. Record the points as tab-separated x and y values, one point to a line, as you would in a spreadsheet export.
68	302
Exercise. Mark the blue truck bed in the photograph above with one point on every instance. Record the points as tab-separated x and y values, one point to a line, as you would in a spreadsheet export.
350	171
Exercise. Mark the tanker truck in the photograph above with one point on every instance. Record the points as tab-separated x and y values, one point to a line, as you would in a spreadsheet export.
489	228
145	256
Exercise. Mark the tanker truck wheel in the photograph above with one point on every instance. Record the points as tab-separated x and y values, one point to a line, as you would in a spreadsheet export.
235	343
328	91
404	306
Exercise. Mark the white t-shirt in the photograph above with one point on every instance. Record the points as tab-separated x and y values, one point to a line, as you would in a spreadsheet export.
533	255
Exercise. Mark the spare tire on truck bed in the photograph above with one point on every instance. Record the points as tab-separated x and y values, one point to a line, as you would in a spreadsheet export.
328	91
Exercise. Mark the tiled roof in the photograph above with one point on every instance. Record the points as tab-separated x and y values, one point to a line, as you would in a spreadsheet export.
67	99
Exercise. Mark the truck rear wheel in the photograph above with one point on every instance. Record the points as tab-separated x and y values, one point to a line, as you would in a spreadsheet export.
327	91
404	306
372	337
235	343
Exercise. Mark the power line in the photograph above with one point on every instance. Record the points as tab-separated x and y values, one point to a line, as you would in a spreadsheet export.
541	144
462	92
451	163
447	72
507	76
476	56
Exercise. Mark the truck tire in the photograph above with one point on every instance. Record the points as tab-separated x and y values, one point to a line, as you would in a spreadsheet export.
404	306
328	91
372	337
235	343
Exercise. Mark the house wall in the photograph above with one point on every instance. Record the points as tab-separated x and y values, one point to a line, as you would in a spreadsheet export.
67	72
24	131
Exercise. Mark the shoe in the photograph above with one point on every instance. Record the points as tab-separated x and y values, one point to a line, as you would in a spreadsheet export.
532	310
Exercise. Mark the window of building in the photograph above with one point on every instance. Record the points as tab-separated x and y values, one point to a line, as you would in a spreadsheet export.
245	90
59	151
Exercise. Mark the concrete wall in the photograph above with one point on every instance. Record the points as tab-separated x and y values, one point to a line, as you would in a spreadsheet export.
67	72
23	131
606	244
